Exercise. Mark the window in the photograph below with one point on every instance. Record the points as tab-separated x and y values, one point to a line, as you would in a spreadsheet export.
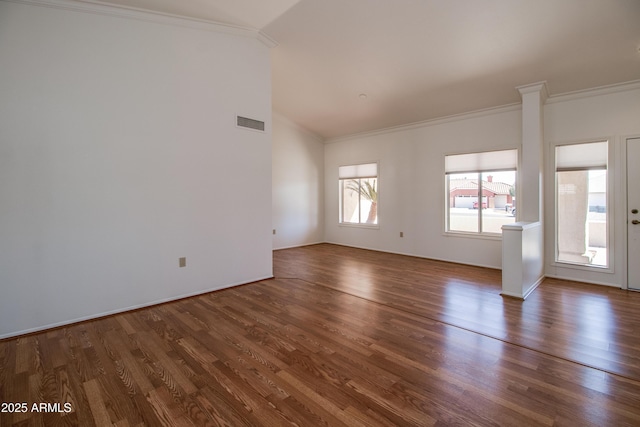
481	191
581	204
359	194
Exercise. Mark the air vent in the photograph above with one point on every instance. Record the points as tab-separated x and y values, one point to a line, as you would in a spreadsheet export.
245	122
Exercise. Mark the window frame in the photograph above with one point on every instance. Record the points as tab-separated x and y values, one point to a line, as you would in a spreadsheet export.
610	208
359	172
481	168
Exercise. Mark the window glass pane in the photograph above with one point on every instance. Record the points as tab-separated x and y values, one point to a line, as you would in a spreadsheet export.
359	200
582	216
463	202
358	194
368	201
350	200
498	191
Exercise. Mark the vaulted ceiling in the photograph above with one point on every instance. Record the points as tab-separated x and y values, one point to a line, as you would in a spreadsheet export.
348	66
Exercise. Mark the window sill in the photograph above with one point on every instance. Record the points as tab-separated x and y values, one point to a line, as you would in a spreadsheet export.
365	226
584	267
485	236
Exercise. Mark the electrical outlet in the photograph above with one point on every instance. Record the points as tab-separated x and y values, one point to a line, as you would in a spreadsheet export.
182	262
402	234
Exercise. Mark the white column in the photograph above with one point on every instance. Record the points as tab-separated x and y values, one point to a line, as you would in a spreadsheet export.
522	242
529	200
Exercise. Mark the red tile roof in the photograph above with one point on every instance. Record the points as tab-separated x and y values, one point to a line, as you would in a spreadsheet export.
472	184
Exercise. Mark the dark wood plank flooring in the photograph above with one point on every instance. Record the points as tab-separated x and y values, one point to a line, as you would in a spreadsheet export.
593	325
342	337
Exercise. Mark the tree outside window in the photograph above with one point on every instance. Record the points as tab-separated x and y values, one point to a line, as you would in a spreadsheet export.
359	194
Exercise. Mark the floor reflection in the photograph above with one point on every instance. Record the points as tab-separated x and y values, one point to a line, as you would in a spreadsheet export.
588	324
474	307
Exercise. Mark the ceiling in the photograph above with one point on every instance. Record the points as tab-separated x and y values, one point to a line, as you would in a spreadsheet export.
417	60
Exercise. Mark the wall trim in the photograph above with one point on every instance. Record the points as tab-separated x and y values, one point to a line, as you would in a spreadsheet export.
589	282
492	267
534	286
591	92
527	293
99	8
431	122
301	245
551	99
539	87
124	310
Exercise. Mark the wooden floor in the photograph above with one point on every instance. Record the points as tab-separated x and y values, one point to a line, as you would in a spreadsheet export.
341	337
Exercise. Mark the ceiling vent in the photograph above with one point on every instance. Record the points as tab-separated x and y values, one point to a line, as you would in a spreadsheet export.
245	122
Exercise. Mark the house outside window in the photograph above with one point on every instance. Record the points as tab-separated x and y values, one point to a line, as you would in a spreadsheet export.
481	192
359	194
581	204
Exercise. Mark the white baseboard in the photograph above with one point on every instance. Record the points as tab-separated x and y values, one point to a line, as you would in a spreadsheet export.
298	246
493	267
590	282
121	310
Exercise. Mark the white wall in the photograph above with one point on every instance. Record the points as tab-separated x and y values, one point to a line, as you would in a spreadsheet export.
298	185
118	155
412	177
411	184
613	114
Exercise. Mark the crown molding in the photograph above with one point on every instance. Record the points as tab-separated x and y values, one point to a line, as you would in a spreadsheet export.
551	99
266	40
100	8
431	122
597	91
539	87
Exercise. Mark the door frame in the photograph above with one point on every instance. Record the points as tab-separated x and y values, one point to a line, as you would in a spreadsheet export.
625	203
